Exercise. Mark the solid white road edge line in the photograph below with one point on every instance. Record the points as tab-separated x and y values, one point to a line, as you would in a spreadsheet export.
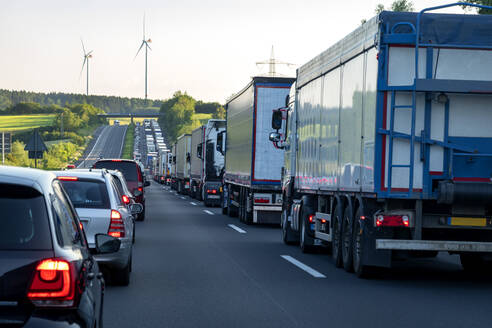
208	212
193	203
236	228
303	266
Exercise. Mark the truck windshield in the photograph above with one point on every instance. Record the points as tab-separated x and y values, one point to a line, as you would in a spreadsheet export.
24	221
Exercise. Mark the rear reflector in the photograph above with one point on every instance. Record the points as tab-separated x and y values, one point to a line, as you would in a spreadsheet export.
68	178
392	221
262	200
52	284
116	226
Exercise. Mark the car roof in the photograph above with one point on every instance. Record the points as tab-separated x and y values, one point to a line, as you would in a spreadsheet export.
34	178
97	174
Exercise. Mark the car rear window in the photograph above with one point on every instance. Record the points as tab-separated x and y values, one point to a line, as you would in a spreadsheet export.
24	223
128	169
86	193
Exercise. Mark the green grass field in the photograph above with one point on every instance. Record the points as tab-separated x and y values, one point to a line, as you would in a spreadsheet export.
203	118
18	123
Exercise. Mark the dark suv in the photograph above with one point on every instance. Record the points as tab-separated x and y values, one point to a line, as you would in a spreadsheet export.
134	176
48	276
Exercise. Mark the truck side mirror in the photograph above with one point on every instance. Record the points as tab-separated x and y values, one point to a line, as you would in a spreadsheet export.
220	142
277	120
199	150
274	137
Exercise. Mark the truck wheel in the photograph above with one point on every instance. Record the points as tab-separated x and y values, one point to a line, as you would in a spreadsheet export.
305	240
347	240
241	206
232	210
360	269
288	236
224	209
336	252
472	263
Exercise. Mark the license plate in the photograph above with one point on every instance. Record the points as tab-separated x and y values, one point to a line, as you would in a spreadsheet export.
213	197
468	222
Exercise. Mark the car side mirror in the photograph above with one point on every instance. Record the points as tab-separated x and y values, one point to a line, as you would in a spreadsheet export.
276	120
274	137
106	244
146	183
136	208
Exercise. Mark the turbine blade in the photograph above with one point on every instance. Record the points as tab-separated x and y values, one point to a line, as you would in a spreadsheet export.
90	52
83	48
83	64
143	42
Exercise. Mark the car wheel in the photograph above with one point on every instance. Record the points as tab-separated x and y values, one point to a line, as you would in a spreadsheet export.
347	238
141	216
122	277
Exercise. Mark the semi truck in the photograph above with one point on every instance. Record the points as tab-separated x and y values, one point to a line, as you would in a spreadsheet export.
207	162
162	165
251	181
173	176
388	146
183	157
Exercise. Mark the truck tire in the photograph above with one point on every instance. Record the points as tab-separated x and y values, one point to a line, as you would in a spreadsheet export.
305	240
472	263
289	237
347	239
232	210
224	209
336	252
360	269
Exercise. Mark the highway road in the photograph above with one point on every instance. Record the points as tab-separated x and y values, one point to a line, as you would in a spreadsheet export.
194	267
109	144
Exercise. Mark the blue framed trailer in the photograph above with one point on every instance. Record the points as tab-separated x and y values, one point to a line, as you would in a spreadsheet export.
387	143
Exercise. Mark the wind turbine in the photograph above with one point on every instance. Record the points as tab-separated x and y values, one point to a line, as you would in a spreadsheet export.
87	56
272	62
145	42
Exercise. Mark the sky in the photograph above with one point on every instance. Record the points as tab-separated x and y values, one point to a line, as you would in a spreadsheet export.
205	48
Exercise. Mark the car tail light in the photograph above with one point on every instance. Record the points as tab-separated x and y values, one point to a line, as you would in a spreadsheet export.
311	218
187	183
116	160
211	191
53	284
116	226
392	221
262	200
126	200
68	178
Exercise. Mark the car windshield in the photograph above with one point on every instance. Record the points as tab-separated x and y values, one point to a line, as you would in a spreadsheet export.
128	169
24	221
87	193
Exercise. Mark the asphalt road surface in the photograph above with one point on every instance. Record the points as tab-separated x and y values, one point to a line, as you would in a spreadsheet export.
109	144
193	267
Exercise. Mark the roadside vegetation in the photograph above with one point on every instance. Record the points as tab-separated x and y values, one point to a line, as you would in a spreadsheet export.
66	131
182	113
129	141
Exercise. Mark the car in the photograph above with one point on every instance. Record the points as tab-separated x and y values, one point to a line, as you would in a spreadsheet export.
48	274
126	195
70	166
101	210
116	122
134	176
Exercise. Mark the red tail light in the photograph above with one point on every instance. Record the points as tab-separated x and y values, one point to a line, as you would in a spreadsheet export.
392	221
116	160
311	218
126	200
53	284
211	191
262	200
68	178
116	226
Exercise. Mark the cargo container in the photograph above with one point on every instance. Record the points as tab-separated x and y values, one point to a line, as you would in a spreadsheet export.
173	175
252	163
388	145
183	157
207	162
